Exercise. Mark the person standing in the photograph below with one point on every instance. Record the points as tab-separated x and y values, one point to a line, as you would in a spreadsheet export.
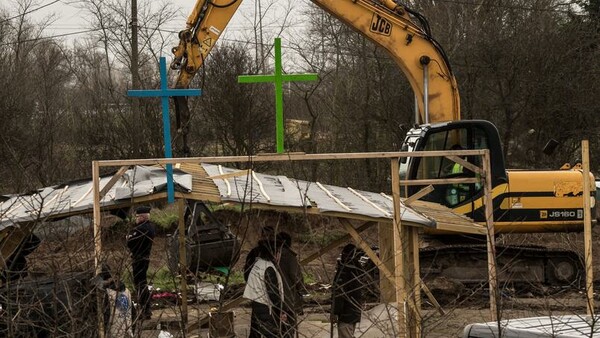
265	289
347	297
139	242
267	233
293	283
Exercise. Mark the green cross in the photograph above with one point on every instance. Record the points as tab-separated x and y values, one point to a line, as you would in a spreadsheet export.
278	79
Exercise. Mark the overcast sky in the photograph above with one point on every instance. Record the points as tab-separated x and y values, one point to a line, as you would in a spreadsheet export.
69	19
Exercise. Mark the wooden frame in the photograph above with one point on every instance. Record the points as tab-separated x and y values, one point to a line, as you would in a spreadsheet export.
406	257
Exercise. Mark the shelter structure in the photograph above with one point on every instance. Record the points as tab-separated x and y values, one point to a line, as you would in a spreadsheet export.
399	220
402	220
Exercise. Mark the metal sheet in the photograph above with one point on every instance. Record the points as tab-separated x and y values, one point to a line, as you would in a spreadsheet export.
76	196
283	191
569	326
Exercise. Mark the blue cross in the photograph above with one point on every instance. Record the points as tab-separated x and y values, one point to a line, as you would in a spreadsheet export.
164	93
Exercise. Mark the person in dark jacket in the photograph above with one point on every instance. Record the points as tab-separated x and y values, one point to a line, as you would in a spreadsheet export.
267	233
265	289
139	242
293	283
347	297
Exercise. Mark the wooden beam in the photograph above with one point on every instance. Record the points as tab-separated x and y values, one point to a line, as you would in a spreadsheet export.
428	189
182	259
232	174
113	180
97	243
290	157
415	281
587	228
386	255
431	297
465	164
399	256
366	248
334	244
440	181
491	245
387	288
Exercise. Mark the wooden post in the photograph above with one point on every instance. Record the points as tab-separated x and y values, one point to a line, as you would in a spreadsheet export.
399	257
97	244
366	248
182	260
413	245
587	228
491	245
387	288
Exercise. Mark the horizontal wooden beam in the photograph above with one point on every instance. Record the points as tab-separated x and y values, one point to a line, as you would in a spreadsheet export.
290	157
441	181
465	164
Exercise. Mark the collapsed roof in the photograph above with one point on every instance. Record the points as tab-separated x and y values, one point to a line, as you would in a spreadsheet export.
218	184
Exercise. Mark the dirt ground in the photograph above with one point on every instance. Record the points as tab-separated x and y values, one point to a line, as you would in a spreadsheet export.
470	306
376	323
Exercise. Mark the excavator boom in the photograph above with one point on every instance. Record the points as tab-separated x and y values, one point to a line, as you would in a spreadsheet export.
386	23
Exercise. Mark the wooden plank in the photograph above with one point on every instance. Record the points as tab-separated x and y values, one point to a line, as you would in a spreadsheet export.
399	256
440	181
587	228
459	228
387	288
431	298
415	280
290	157
97	244
428	189
465	164
366	248
182	258
334	244
491	245
232	174
113	180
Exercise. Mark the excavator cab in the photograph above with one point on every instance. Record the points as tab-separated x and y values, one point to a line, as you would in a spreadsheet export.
457	135
209	243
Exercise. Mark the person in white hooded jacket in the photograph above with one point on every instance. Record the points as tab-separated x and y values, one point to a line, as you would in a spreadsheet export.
265	289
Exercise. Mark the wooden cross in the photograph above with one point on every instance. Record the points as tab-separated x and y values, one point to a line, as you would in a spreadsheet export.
278	79
164	93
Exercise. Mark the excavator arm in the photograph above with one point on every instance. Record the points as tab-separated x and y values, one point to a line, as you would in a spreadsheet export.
388	24
203	27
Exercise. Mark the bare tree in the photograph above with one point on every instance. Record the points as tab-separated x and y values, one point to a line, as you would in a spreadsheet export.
239	117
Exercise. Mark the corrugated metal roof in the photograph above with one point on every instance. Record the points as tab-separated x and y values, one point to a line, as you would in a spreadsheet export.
76	197
257	188
198	181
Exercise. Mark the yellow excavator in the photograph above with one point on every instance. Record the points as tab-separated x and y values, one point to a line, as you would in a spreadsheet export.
524	201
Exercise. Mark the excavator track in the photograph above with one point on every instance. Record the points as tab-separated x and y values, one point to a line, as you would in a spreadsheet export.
515	264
